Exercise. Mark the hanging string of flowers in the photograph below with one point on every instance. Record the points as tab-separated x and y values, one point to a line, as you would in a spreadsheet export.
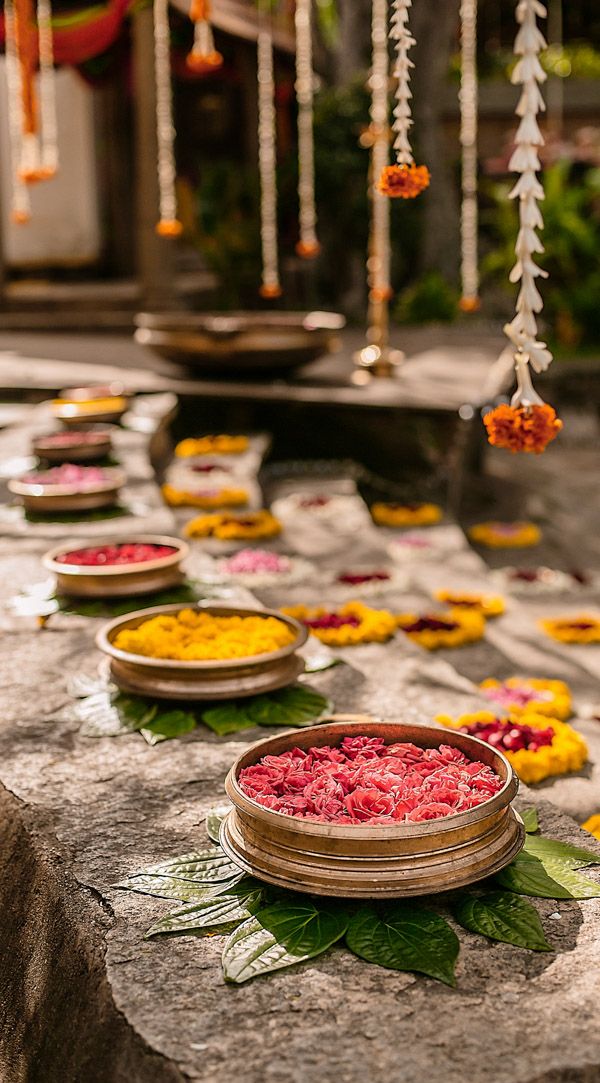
267	159
405	179
21	203
203	55
378	263
469	301
308	246
168	224
29	169
49	127
528	424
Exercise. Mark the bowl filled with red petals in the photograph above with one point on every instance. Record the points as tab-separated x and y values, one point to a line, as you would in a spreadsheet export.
69	487
73	446
117	567
372	809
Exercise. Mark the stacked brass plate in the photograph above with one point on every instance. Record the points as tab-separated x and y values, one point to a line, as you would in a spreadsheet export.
40	497
379	861
224	679
92	410
118	580
83	451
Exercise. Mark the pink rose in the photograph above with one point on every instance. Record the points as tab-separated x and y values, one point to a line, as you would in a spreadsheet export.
362	805
353	746
431	811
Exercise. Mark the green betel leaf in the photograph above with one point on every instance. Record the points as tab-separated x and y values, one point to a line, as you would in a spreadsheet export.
227	718
576	856
550	879
202	867
221	910
529	817
214	819
108	715
170	887
295	706
280	935
402	936
166	724
501	916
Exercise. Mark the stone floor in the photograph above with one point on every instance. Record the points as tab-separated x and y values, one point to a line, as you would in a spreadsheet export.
84	998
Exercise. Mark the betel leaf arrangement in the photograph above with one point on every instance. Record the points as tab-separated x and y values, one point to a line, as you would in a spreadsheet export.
269	928
103	711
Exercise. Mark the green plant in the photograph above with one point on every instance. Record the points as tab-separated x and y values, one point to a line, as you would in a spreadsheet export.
429	300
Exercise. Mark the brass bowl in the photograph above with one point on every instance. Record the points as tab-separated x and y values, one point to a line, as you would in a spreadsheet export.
243	342
82	411
95	391
117	580
81	452
40	497
223	679
378	861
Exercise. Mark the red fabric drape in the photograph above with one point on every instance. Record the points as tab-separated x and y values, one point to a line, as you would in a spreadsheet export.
90	33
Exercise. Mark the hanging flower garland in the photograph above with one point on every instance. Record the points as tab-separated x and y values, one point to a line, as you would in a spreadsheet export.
168	224
203	56
378	262
267	159
308	246
21	203
405	179
49	127
528	424
469	301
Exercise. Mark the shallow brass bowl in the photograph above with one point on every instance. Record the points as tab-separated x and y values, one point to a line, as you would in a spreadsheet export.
40	497
83	452
379	861
222	679
117	580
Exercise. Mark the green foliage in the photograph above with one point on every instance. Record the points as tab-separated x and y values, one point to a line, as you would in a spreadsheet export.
529	817
550	878
500	915
279	935
429	300
571	237
405	936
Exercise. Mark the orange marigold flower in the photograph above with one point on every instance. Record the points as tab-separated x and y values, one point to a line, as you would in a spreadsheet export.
308	249
20	218
469	304
200	62
169	227
269	292
404	181
522	428
381	293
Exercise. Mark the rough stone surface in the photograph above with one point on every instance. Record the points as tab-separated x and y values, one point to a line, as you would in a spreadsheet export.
84	997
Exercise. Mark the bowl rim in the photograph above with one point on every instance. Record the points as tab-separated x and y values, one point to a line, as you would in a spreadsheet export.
106	634
242	802
116	479
51	564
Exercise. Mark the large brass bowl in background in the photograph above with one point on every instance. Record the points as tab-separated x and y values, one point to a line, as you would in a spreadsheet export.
48	497
117	580
379	861
225	679
243	342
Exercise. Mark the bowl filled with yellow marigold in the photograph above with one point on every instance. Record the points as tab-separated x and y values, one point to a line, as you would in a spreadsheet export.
208	651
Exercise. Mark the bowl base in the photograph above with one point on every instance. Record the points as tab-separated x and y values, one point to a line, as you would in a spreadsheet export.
212	687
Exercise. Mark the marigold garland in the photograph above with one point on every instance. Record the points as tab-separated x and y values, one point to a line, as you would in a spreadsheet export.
404	181
194	635
566	752
221	444
217	498
406	515
489	605
522	428
583	628
436	631
523	695
347	626
229	527
203	56
593	825
496	535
